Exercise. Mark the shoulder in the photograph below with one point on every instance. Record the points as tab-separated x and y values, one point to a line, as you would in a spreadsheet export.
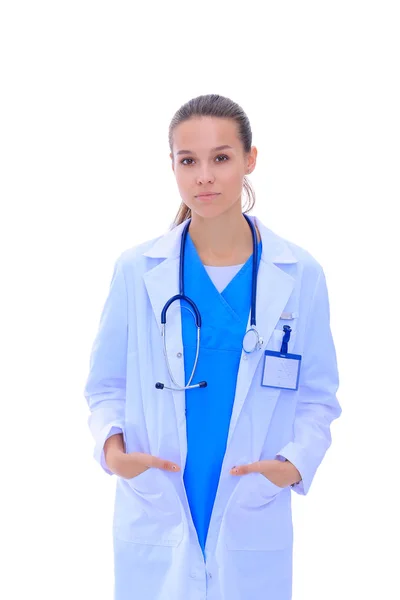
306	259
283	252
307	271
134	255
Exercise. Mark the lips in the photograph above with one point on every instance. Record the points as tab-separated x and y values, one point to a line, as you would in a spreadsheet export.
207	195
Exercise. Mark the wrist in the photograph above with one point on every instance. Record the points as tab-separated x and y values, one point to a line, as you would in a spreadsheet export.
114	458
293	474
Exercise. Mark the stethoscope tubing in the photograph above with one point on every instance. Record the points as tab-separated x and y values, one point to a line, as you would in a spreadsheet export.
197	315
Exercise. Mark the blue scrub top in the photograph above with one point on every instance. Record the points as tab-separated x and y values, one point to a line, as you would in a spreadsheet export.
208	410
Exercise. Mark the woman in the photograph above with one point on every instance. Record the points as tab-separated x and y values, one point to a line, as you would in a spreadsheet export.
209	435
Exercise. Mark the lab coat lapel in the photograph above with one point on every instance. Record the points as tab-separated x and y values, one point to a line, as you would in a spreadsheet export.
162	282
274	287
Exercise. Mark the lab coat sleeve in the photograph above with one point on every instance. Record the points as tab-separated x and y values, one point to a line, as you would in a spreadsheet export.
317	403
106	383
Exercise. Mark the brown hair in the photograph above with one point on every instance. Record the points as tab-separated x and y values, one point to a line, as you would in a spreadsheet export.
213	105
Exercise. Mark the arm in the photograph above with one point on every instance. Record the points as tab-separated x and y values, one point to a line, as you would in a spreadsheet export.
318	383
105	386
110	448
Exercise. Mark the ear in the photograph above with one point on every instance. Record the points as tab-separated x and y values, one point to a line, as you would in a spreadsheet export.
252	159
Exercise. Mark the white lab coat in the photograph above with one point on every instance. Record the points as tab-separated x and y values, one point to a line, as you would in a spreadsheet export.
250	539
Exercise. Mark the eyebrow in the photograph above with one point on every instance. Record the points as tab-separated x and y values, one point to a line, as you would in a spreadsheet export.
212	150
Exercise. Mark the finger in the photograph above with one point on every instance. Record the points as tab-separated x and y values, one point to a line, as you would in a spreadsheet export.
164	465
245	469
150	461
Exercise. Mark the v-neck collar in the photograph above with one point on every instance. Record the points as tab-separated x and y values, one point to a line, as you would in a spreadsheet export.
228	292
239	274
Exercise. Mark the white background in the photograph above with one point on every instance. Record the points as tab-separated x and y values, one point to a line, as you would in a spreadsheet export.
88	90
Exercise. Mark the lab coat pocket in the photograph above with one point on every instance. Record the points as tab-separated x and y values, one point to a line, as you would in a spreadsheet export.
259	516
148	510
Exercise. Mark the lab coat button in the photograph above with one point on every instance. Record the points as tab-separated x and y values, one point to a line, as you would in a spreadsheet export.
179	355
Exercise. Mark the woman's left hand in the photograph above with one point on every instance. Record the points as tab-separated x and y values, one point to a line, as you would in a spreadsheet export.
280	473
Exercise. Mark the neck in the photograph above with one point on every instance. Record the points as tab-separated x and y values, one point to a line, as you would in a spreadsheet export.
224	240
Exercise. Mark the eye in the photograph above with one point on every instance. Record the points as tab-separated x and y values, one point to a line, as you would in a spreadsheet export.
219	156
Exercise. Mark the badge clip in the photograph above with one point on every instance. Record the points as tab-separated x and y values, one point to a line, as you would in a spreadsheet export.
286	337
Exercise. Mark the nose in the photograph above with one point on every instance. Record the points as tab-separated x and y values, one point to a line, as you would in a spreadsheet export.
205	175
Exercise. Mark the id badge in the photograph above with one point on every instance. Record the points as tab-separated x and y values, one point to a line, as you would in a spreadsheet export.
281	370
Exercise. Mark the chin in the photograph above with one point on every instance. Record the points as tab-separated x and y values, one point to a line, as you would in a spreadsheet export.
209	212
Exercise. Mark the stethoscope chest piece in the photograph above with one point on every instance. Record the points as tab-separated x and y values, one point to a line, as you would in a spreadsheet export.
252	341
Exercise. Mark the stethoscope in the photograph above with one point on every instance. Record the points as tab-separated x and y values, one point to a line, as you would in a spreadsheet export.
251	340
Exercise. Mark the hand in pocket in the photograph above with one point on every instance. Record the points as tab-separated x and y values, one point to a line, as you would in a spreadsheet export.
132	464
275	470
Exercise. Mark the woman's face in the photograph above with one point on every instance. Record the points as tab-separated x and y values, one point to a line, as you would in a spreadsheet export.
199	167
